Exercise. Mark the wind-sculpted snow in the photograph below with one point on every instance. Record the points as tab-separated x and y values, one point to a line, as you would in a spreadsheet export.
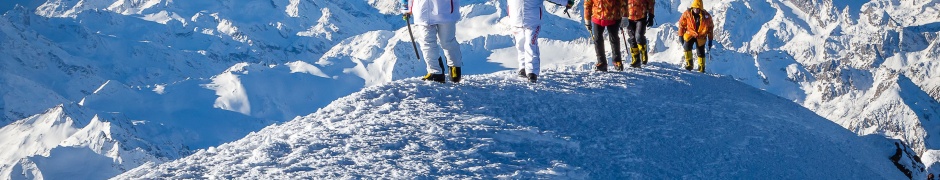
165	69
150	42
167	66
658	123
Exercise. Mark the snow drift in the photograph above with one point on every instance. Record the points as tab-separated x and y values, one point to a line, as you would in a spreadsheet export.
657	123
865	64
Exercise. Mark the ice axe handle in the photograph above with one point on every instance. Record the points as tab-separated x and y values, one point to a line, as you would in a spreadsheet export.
413	44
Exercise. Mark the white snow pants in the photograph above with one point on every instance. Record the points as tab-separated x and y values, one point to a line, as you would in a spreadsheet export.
434	37
527	48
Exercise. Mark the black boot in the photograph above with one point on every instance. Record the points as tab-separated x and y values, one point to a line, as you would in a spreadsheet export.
600	67
455	74
533	78
434	77
522	73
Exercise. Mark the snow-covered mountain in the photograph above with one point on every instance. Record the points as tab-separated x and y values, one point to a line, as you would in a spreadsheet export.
655	123
161	78
867	65
124	83
148	43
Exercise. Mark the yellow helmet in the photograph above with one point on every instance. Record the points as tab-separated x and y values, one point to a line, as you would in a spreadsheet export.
697	4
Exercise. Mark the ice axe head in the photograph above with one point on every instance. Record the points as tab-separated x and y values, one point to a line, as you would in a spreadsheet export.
566	12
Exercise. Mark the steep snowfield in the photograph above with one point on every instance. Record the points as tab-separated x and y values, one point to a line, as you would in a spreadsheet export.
868	65
659	123
77	145
161	85
60	51
178	76
181	84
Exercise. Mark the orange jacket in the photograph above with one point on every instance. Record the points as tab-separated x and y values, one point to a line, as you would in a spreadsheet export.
607	10
637	9
687	25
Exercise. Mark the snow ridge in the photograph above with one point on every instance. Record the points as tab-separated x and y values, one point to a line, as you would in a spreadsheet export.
658	123
66	137
865	64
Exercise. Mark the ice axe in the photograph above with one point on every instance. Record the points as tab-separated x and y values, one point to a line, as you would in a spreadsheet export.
410	34
566	9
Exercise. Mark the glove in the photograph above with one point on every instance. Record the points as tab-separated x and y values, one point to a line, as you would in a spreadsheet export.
710	45
570	3
681	41
588	27
649	20
406	16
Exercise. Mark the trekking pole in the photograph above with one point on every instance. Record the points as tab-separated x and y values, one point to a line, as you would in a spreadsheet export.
709	53
624	37
410	34
710	49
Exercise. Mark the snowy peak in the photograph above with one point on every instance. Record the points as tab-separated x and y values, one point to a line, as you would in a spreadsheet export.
68	137
841	59
651	124
190	74
148	42
31	135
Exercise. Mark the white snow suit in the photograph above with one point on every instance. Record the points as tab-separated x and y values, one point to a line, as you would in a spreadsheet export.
525	16
428	12
436	24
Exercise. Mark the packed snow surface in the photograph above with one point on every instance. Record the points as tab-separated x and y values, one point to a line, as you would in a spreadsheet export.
655	123
113	84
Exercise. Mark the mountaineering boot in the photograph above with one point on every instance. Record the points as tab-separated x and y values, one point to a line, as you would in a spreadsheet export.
618	65
600	67
533	78
635	56
701	64
434	77
688	60
454	74
643	53
522	73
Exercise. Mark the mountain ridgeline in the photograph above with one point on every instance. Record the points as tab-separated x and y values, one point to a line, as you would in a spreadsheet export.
124	83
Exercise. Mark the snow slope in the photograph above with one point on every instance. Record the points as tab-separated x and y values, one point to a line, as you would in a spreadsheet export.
868	65
185	75
61	51
659	123
162	86
220	69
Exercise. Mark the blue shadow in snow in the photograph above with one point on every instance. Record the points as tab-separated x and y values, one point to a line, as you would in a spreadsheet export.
924	106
